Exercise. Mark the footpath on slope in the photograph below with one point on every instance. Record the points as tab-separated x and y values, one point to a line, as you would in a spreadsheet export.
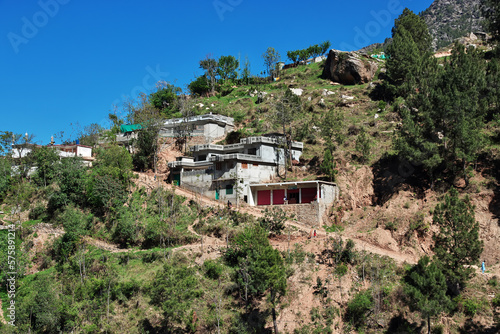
360	245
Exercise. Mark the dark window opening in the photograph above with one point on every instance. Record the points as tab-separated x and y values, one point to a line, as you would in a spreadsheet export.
229	189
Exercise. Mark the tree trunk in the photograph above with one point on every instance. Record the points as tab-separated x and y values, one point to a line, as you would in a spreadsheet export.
273	311
428	324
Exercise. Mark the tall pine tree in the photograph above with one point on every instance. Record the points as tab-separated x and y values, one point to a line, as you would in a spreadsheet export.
409	54
425	285
442	123
457	245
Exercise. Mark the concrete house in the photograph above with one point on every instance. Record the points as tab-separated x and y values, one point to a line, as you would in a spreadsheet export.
239	172
64	151
208	126
226	171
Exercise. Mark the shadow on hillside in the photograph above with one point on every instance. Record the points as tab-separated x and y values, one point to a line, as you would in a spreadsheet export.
392	175
474	328
399	324
253	321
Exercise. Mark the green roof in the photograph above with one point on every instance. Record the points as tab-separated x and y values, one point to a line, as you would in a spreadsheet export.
130	127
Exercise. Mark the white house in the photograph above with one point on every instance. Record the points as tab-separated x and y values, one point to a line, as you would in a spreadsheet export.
226	171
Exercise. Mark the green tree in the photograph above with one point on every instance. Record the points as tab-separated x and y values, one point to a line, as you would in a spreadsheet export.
457	245
333	128
146	145
409	54
271	59
199	86
174	289
245	72
293	56
106	188
443	122
114	161
210	66
5	176
363	145
288	107
358	308
273	220
329	166
5	142
71	178
47	161
492	15
164	99
325	46
91	134
259	265
425	286
227	66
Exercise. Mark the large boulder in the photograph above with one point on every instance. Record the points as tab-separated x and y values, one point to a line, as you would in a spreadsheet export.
349	68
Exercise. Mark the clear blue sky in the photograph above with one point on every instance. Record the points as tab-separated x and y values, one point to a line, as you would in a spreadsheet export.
68	61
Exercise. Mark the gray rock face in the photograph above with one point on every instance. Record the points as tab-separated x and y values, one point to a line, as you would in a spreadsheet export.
451	19
349	68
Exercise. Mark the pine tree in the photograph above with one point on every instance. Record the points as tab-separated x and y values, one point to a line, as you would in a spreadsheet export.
328	166
409	54
425	285
442	123
492	15
363	145
457	245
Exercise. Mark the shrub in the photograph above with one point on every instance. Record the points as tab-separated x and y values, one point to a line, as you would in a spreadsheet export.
496	301
471	307
391	226
213	270
37	212
358	307
493	282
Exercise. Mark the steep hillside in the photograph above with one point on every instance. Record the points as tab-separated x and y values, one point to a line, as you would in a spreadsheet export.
452	19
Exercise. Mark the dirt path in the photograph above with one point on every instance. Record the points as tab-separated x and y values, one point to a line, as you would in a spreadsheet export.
399	257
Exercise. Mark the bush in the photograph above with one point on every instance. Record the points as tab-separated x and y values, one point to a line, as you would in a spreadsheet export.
471	307
358	307
493	282
213	270
496	301
37	212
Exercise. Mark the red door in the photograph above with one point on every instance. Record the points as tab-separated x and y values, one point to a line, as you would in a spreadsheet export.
278	196
308	195
264	197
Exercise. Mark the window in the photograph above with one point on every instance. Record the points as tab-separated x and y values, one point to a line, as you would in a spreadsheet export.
244	165
252	151
229	189
202	157
218	166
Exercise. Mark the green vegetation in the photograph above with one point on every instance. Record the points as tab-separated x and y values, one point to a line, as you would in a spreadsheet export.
449	124
457	246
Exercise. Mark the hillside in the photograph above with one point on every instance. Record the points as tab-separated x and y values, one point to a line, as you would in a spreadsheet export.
120	247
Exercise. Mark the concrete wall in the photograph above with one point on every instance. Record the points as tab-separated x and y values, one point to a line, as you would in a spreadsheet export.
306	214
83	151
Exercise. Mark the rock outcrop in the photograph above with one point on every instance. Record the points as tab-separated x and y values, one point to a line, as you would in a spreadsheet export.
349	68
451	19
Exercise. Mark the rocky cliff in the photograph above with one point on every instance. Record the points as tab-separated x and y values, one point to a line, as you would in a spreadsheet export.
451	19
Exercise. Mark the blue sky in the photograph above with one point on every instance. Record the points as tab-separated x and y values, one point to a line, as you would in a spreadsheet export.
65	62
